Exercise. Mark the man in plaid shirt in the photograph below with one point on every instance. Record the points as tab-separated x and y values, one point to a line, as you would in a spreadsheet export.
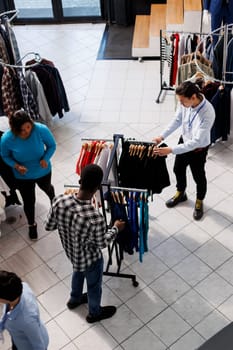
84	233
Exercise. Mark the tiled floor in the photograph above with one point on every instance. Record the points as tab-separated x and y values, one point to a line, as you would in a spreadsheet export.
185	291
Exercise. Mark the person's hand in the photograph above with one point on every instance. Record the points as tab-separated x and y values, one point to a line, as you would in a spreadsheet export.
157	139
119	224
206	17
162	151
43	163
21	169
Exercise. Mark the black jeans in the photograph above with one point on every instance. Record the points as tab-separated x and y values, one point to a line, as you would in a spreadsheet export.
196	160
7	174
27	191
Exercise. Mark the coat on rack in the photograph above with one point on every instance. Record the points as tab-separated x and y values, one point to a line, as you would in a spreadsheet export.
142	170
221	12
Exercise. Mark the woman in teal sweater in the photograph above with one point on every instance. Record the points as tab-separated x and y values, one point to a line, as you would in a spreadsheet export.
27	147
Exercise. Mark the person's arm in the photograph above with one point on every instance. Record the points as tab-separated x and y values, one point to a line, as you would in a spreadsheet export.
172	126
6	152
49	141
103	235
201	132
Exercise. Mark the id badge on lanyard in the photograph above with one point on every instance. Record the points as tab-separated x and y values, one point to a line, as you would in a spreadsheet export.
191	119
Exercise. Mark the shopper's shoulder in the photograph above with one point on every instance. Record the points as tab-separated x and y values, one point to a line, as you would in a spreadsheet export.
40	127
7	135
63	198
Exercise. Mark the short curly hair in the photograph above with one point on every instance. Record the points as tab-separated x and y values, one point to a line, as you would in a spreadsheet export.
91	177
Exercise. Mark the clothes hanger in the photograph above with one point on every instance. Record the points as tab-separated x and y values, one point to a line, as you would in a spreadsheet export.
37	58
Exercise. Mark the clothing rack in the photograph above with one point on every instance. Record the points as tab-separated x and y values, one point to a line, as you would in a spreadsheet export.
225	29
114	247
7	13
164	85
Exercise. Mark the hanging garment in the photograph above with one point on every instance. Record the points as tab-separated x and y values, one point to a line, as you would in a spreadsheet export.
6	39
11	95
1	105
50	88
12	39
142	170
54	90
221	13
187	70
143	227
3	51
221	104
173	73
29	103
133	217
229	62
119	212
39	96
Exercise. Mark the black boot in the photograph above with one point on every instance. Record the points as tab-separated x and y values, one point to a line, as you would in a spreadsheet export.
11	199
15	198
33	231
177	198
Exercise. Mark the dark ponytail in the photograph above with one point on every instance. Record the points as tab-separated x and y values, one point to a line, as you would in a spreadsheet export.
188	89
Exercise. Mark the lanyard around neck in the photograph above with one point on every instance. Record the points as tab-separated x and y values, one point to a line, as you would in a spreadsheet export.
194	116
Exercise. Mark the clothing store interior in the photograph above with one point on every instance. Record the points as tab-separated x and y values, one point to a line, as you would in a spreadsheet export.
168	273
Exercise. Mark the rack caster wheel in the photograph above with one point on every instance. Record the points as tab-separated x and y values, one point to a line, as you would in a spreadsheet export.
135	283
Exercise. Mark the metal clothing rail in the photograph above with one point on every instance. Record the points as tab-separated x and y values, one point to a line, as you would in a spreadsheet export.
128	189
221	32
37	58
7	13
114	246
94	139
165	86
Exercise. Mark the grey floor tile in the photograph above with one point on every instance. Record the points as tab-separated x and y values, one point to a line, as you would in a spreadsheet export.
168	326
143	339
170	286
191	340
214	289
212	324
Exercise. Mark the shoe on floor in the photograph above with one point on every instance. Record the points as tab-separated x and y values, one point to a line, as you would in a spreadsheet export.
106	312
198	210
11	199
177	198
73	304
33	235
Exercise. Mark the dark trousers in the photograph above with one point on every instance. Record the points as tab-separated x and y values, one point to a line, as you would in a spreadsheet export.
93	275
27	191
7	174
196	160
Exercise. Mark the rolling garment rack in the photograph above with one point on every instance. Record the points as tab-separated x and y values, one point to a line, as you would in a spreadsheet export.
114	246
164	84
223	31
